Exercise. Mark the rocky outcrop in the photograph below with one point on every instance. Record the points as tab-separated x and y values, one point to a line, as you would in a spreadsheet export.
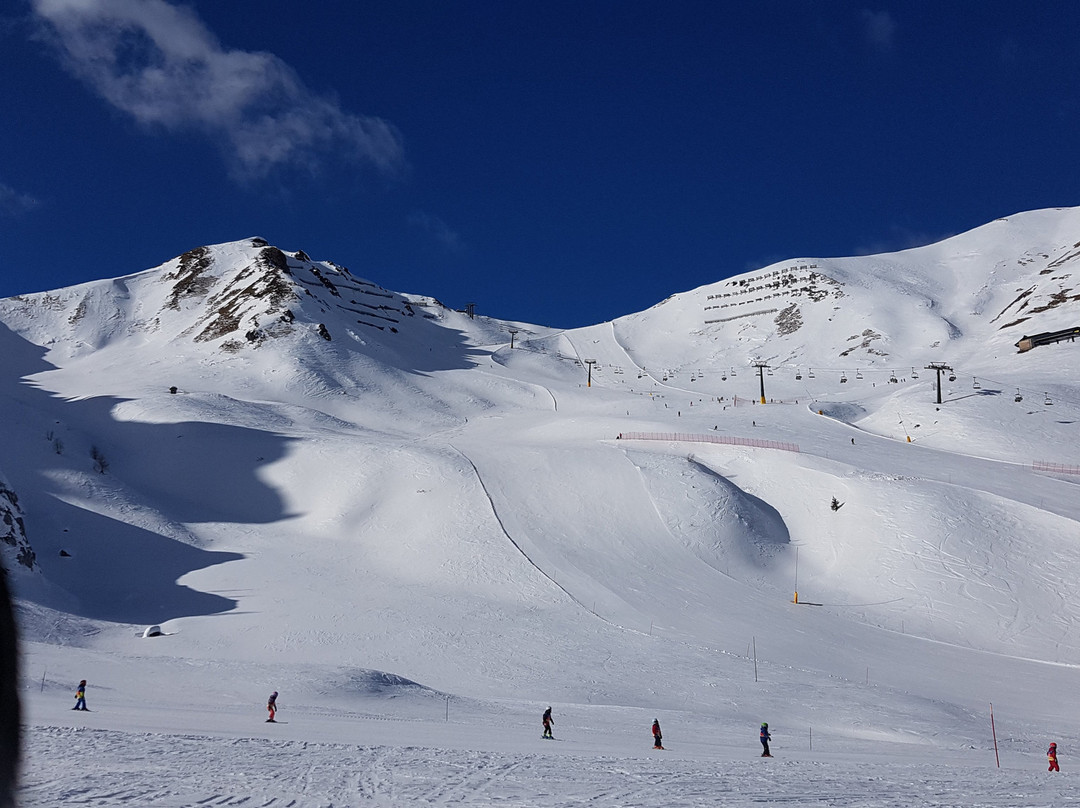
13	539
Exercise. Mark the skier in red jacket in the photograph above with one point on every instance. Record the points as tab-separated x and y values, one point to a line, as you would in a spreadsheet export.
1051	755
658	739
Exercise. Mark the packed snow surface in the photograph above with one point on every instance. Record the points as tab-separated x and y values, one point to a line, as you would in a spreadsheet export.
422	537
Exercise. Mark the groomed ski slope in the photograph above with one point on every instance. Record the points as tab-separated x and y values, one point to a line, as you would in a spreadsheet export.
421	562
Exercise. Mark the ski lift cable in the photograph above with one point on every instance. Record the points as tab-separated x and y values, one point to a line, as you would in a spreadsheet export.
1026	392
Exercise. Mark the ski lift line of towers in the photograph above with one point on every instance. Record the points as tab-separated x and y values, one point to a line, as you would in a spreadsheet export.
845	374
858	374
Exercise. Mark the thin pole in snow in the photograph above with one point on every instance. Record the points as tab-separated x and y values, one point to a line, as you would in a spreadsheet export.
447	708
755	658
43	680
994	732
811	739
796	600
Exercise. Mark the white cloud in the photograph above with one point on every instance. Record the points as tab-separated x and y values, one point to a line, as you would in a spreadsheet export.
442	232
161	65
12	202
879	28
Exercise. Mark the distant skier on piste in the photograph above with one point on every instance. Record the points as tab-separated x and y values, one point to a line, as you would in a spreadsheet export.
548	721
271	706
1051	755
765	738
658	739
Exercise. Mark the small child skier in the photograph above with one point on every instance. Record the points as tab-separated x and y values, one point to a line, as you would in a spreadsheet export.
765	738
658	739
80	696
1051	755
548	721
271	706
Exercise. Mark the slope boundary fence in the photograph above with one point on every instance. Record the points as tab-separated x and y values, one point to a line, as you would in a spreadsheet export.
1054	468
689	437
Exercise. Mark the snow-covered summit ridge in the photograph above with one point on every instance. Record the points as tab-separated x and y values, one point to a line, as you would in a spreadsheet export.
228	296
967	299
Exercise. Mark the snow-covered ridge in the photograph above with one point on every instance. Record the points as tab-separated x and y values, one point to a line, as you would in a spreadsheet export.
966	299
229	295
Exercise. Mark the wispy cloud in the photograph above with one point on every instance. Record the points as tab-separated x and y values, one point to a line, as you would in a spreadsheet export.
12	202
898	238
879	29
436	227
160	64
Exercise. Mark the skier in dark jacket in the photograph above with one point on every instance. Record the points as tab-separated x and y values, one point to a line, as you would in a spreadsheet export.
271	707
658	739
80	696
765	738
548	721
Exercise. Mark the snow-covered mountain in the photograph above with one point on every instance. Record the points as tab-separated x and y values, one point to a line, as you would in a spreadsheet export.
377	505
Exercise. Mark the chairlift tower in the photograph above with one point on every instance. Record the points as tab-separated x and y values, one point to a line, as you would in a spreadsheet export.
939	367
513	334
761	367
590	363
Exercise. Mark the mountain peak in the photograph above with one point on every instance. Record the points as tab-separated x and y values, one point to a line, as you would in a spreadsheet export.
260	287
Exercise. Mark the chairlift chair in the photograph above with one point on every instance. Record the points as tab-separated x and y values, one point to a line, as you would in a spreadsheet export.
1047	402
811	373
893	379
914	373
1019	397
798	375
952	377
858	374
843	378
975	384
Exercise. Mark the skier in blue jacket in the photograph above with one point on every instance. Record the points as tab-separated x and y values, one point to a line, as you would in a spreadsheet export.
765	738
80	696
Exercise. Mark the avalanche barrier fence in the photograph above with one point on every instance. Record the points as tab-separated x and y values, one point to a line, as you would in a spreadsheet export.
688	437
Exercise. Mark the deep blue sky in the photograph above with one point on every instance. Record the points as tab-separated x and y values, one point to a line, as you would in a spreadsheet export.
556	162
